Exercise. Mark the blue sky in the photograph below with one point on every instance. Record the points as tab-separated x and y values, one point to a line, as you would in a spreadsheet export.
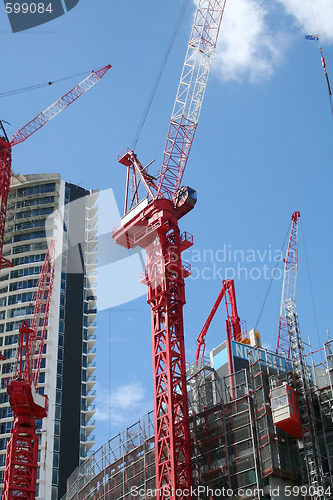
263	149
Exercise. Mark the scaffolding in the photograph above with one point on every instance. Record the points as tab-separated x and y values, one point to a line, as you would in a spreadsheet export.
277	451
207	430
123	465
304	389
240	437
235	447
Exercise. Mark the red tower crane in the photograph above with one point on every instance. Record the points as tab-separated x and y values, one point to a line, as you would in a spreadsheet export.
25	132
289	285
26	404
233	325
153	224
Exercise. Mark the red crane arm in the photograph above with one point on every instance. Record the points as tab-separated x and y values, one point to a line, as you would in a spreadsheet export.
233	321
27	131
62	103
32	347
190	94
289	285
27	405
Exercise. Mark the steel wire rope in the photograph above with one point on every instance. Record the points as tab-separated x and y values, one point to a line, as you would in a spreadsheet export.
322	57
311	288
272	277
41	85
160	73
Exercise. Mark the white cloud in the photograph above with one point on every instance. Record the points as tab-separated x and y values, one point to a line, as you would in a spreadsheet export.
119	404
247	48
312	16
255	34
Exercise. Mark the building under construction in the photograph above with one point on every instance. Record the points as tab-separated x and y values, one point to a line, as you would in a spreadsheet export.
246	439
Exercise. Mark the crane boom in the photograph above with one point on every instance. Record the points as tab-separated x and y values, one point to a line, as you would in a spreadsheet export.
233	322
55	108
26	404
289	285
190	94
27	131
30	368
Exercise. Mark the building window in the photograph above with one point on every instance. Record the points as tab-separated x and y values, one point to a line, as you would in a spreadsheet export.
30	224
19	285
20	297
19	261
40	188
57	428
29	236
35	201
6	367
27	271
56	444
55	477
56	460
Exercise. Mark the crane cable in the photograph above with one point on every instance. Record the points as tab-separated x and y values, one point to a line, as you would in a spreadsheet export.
41	85
316	37
272	277
159	73
310	285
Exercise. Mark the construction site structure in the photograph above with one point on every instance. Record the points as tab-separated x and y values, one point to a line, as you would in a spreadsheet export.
236	450
26	404
152	224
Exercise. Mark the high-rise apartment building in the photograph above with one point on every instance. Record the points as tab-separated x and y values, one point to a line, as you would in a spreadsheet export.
42	207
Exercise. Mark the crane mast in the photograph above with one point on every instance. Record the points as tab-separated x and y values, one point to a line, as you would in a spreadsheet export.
26	404
304	392
153	225
289	285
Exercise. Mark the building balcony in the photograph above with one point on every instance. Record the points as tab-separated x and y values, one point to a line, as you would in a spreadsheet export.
91	244
91	257
90	428
91	234
91	382
91	341
90	443
92	198
92	281
92	328
92	290
92	300
90	412
92	315
91	271
90	369
92	212
91	355
91	222
91	396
